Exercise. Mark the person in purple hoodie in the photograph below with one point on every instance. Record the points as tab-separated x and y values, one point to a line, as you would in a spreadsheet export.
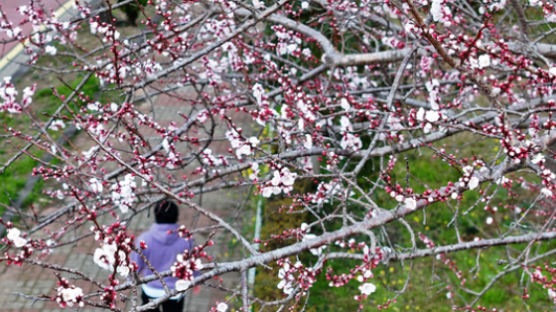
163	245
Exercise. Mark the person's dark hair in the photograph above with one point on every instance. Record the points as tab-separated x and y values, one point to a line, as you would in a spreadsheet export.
166	211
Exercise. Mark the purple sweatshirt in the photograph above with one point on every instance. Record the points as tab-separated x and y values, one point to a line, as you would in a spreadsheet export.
162	249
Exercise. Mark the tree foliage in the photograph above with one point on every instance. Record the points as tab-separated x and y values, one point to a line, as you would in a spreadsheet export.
386	131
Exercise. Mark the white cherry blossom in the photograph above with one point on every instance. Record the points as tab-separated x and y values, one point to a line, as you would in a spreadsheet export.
51	50
104	256
410	203
282	181
123	194
222	307
473	183
432	116
367	288
551	294
14	235
70	295
484	60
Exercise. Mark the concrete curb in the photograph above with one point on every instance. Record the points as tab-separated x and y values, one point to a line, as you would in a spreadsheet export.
12	64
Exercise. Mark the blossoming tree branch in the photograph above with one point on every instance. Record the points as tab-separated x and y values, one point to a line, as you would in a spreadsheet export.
381	124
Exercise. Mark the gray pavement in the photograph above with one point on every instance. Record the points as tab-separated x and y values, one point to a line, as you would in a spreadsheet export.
16	283
34	281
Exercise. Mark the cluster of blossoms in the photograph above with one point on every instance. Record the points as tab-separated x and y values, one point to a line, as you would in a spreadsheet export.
549	182
19	240
282	181
547	281
14	236
8	94
296	275
220	307
188	263
107	255
440	12
288	42
68	295
516	146
363	272
316	111
241	146
428	117
548	8
468	177
367	288
349	140
265	113
104	256
172	157
115	249
183	232
325	192
113	255
211	159
8	28
254	171
103	29
404	196
123	194
95	185
184	268
57	125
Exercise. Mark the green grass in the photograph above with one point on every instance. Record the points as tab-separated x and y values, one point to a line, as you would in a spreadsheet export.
49	102
46	103
13	179
430	279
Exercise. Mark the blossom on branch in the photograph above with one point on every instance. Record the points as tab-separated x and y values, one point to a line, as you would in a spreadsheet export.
367	288
282	181
14	236
123	194
351	136
69	295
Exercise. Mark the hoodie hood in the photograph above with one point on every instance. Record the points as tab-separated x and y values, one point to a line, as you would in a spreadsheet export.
159	232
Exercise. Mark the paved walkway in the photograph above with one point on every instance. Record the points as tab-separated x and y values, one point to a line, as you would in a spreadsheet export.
35	281
16	283
12	52
10	10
